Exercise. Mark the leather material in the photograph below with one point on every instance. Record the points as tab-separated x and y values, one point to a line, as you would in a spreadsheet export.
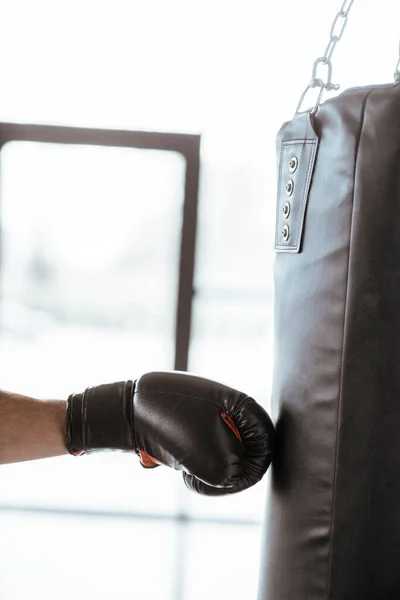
333	518
220	438
303	151
181	421
101	418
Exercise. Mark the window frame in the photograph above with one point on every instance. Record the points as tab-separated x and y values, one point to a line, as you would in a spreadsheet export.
188	145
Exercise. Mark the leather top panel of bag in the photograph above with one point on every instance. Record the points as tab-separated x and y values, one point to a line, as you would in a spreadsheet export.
333	516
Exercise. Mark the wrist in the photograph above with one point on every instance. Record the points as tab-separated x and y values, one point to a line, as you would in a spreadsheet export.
30	429
100	418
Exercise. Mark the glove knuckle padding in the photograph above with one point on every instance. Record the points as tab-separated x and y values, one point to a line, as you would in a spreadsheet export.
257	434
177	420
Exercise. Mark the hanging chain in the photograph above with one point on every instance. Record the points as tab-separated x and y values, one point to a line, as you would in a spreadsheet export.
317	80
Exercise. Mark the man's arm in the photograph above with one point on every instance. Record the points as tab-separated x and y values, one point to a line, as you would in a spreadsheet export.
30	428
219	437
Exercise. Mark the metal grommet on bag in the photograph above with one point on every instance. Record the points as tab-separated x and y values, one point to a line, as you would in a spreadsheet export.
286	210
293	164
290	187
285	233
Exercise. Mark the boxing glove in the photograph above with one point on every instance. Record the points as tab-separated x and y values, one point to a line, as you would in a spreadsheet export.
220	438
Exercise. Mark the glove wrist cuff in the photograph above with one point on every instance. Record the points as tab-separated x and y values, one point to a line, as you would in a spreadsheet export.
101	418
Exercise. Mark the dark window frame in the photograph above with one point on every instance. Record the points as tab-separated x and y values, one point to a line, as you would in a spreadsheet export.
188	145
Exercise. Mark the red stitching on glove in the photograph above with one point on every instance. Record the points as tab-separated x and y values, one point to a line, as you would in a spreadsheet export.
228	420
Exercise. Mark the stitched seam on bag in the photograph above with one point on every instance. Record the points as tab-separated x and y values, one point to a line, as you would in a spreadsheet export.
294	142
305	193
278	202
343	346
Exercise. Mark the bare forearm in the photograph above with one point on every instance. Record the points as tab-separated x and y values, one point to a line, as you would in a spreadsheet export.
30	428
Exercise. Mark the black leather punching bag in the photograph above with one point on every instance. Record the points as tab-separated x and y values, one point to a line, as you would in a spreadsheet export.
333	517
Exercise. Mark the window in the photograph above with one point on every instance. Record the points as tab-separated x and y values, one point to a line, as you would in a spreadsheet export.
90	292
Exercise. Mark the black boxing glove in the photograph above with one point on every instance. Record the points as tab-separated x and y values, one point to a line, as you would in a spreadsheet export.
220	438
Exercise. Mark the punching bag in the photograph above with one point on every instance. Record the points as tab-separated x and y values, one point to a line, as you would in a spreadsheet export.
333	516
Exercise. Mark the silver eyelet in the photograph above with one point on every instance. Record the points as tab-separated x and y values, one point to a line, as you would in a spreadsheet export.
286	210
285	233
290	187
293	164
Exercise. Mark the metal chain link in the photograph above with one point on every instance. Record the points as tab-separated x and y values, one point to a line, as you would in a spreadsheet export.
336	34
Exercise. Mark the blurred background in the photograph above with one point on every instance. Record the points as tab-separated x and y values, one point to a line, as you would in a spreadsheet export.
90	252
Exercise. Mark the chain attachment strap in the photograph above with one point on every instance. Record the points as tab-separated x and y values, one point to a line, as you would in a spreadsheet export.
336	34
